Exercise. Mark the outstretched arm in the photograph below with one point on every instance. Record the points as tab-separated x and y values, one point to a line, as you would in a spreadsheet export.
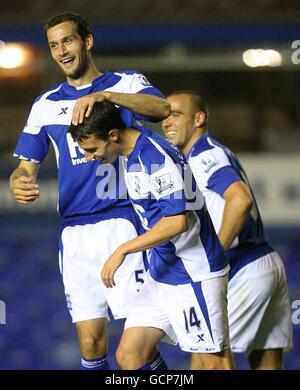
139	103
23	184
238	203
165	229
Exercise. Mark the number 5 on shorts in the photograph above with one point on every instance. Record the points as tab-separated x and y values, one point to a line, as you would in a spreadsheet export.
139	276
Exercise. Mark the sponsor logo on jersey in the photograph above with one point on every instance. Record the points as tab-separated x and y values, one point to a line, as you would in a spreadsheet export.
76	153
200	337
63	111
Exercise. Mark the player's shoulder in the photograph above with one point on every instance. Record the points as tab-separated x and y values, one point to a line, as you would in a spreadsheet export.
128	72
208	155
151	143
208	146
39	100
133	76
151	149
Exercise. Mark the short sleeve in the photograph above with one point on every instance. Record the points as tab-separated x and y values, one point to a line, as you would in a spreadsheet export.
212	170
33	144
165	181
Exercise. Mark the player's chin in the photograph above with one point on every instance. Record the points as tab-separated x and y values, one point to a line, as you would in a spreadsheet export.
69	72
171	138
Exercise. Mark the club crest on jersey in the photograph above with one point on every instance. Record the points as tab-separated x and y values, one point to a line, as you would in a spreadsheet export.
163	183
209	162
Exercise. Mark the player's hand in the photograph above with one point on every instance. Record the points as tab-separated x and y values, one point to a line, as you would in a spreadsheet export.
110	267
24	189
84	105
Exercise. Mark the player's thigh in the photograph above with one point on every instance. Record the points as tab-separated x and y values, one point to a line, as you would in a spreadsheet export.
84	249
257	305
198	314
275	331
81	258
130	275
148	310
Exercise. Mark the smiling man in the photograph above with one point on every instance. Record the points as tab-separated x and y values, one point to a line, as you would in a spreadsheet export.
258	301
87	226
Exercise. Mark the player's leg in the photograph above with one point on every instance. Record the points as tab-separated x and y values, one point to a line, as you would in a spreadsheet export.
85	293
275	331
130	275
93	342
213	361
129	280
199	319
268	359
138	349
145	326
259	312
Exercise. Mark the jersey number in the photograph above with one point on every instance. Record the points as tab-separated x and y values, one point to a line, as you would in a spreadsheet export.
191	319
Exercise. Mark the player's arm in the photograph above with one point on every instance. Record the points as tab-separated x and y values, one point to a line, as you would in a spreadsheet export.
164	230
238	203
22	182
140	103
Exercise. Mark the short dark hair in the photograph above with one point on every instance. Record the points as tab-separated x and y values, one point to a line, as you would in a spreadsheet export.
104	117
80	22
199	104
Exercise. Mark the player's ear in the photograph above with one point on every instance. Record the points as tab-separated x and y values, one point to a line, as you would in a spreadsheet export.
199	118
114	135
89	41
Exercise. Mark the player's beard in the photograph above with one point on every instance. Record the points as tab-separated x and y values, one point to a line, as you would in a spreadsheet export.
82	67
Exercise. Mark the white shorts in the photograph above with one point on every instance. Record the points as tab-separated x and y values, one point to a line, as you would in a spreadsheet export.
83	251
258	307
192	315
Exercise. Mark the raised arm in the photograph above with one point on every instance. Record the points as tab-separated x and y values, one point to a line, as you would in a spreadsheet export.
165	229
22	183
238	203
140	103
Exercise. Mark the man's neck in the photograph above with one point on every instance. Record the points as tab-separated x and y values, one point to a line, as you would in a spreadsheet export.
128	138
90	75
198	133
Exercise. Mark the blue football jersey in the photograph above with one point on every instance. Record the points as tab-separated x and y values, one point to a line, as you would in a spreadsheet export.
215	168
83	188
160	184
